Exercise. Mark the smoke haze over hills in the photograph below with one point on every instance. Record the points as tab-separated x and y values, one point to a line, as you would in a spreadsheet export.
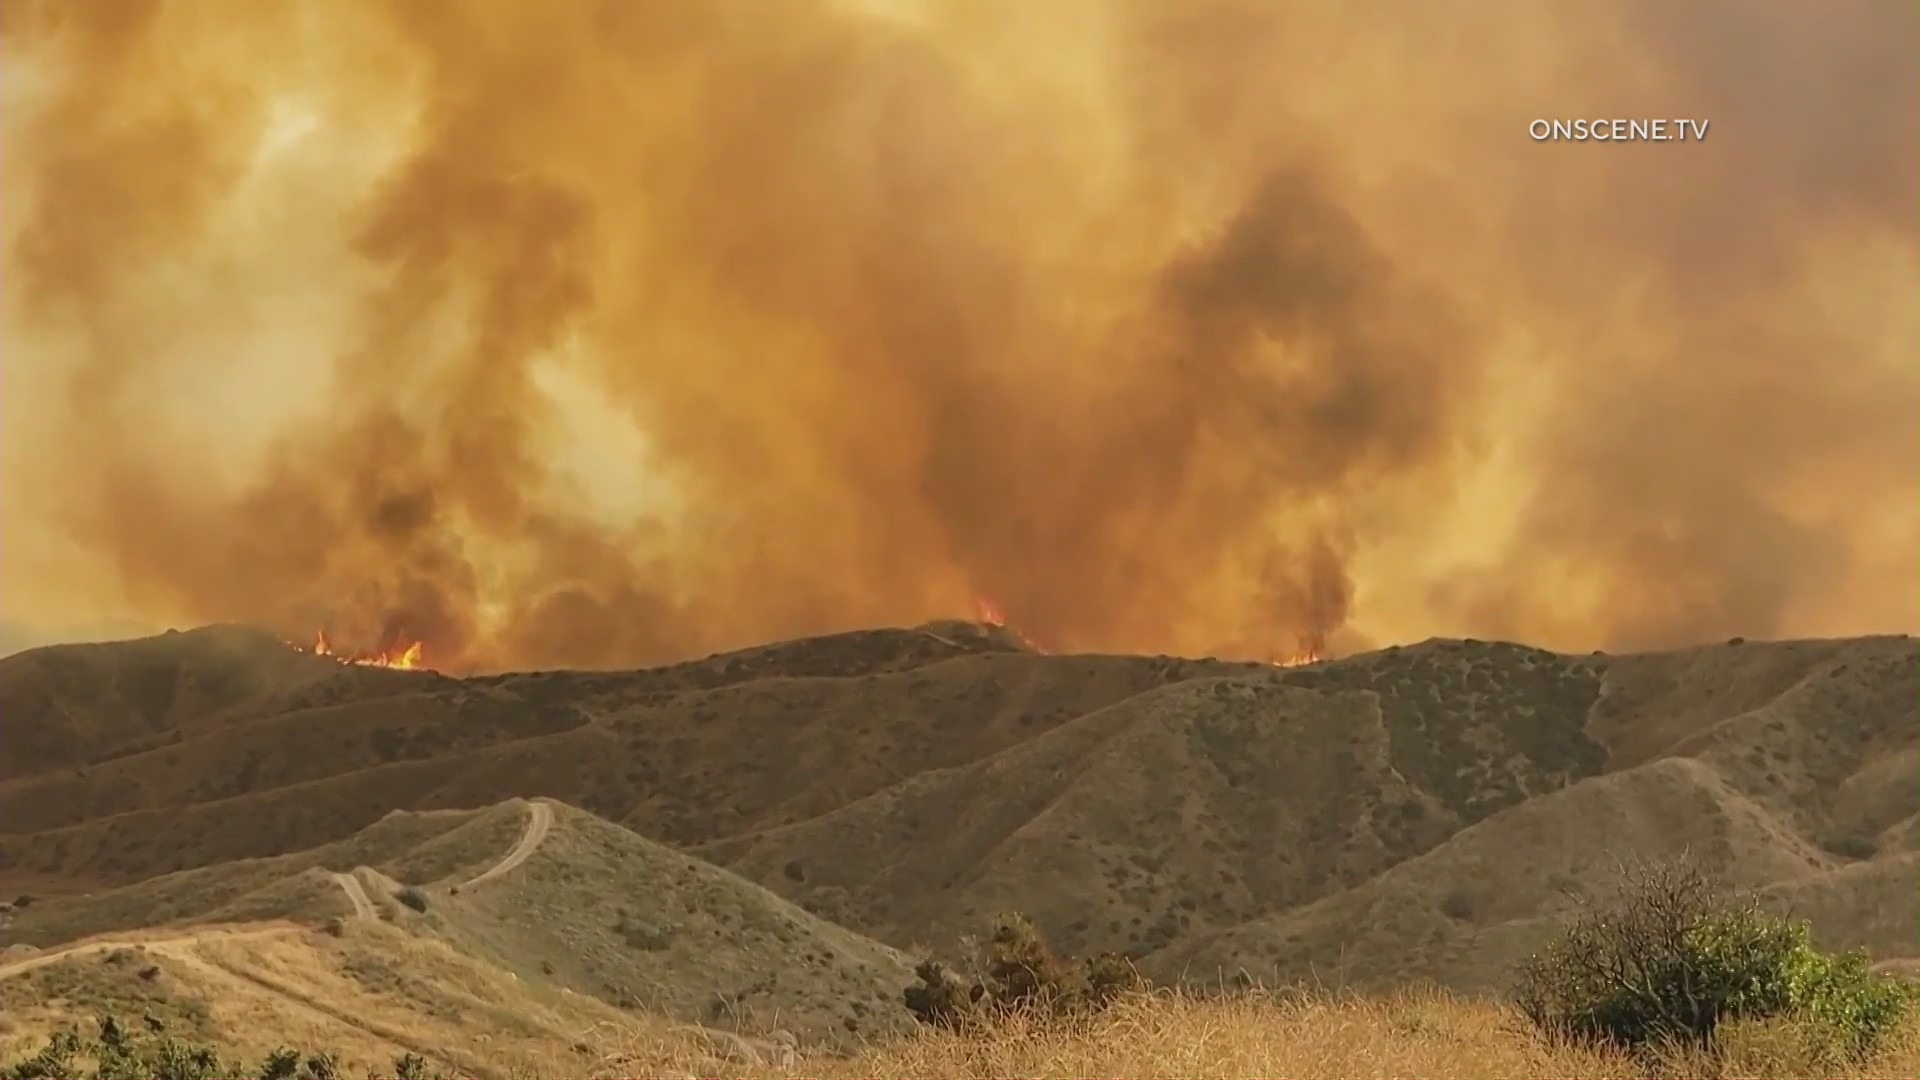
615	332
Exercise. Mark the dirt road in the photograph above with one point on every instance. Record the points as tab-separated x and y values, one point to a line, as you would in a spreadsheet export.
161	944
539	820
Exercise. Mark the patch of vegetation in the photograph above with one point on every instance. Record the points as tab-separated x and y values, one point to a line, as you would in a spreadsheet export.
640	934
1850	846
1457	905
114	1052
1670	960
1444	705
412	898
1018	972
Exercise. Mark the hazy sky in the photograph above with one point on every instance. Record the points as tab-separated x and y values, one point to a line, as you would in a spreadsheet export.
602	333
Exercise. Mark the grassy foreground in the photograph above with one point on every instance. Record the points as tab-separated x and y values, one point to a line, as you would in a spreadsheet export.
1425	1034
1428	1034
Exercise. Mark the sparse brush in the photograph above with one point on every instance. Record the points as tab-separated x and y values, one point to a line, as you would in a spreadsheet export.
1022	969
118	1054
943	998
1110	976
1021	974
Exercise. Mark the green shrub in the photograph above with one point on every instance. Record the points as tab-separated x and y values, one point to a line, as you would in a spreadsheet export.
1018	971
1670	960
413	898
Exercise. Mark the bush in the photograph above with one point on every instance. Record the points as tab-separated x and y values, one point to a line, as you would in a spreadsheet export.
413	898
1851	846
1019	972
1670	960
152	1055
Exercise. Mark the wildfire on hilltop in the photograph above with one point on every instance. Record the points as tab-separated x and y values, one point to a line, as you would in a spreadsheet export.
1311	650
402	657
989	611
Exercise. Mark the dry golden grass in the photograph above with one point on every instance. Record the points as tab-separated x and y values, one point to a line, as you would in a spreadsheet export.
250	993
1427	1034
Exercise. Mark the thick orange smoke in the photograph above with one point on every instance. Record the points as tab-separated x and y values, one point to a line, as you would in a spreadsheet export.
607	332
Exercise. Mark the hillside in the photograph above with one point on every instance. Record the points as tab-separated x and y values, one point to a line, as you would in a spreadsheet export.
535	893
1416	812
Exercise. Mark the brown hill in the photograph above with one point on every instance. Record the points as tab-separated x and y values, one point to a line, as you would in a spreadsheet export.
1202	814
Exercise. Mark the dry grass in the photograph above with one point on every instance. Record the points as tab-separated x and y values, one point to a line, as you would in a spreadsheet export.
250	993
1427	1034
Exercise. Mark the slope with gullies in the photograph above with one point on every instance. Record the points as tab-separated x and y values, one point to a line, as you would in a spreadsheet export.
1204	816
686	754
1196	806
1789	773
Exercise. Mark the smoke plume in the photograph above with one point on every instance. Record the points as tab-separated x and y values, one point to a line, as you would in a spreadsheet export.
603	333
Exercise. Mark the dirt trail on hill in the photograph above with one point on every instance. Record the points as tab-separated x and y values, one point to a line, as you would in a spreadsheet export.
324	1013
362	905
159	945
539	820
181	949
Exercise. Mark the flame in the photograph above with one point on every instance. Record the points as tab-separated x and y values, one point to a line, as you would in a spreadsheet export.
410	657
1311	650
990	612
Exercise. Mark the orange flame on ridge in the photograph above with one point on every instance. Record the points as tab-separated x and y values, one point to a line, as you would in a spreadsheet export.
1311	650
411	657
988	611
